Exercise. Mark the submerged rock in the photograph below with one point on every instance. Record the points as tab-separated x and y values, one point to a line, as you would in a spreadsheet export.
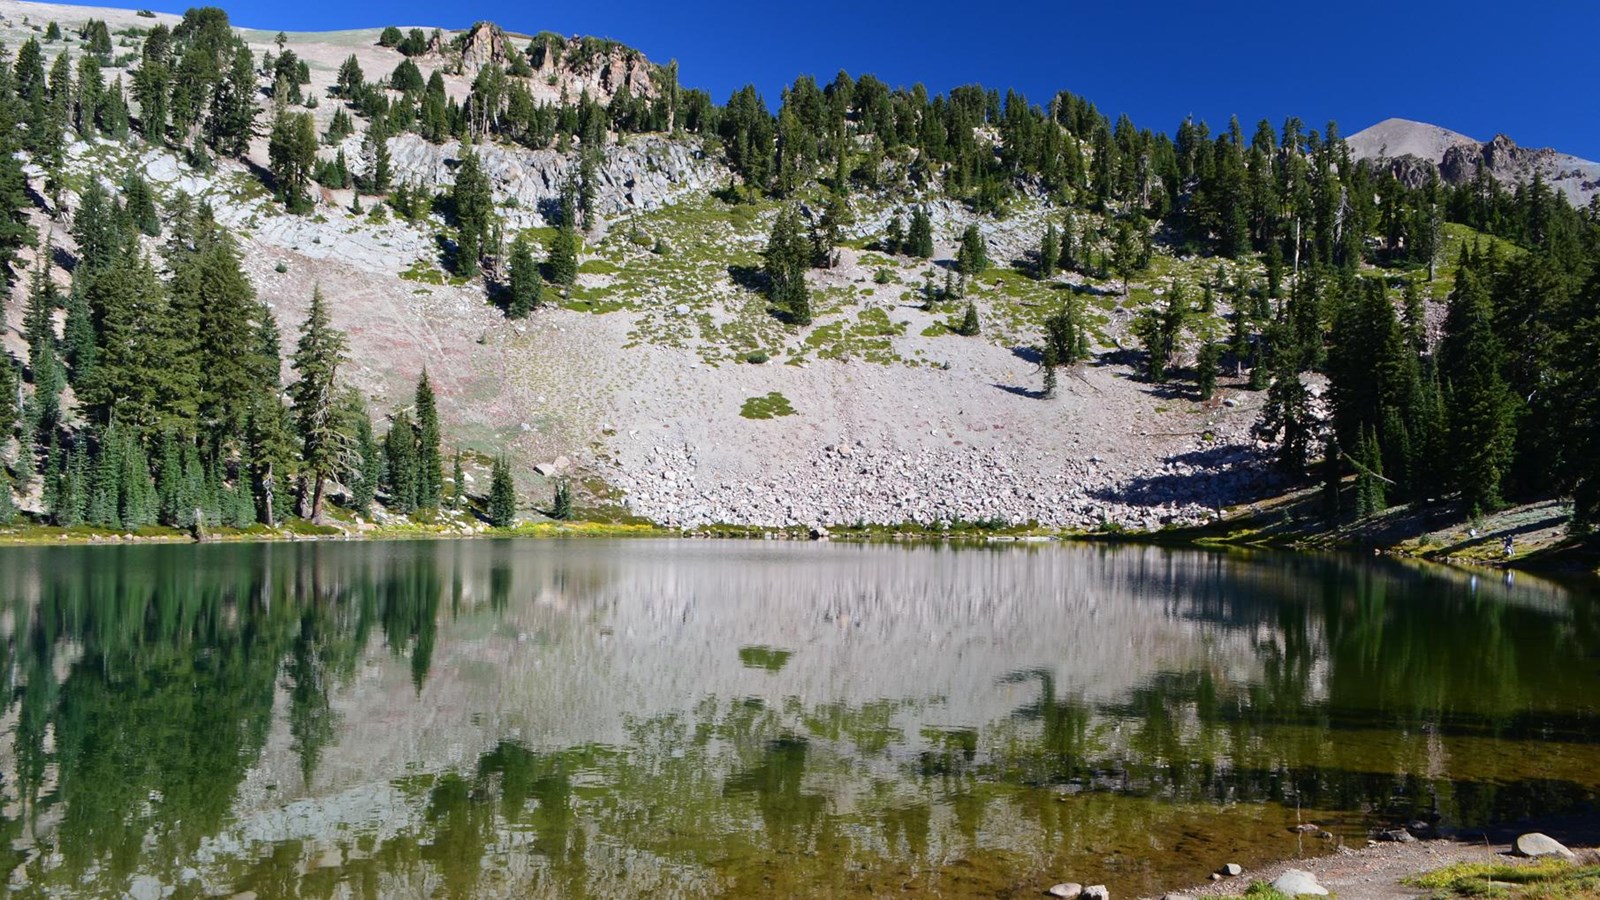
1066	890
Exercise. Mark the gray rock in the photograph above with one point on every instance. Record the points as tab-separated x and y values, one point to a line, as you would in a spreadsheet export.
1096	892
1231	870
145	887
1297	882
1065	890
1177	897
1536	845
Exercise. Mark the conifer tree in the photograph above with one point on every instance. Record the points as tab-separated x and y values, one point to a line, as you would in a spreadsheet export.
458	485
368	469
919	240
400	462
525	287
474	208
430	462
502	495
1049	252
787	258
969	325
972	257
317	357
1481	427
562	256
561	502
894	237
1205	366
292	151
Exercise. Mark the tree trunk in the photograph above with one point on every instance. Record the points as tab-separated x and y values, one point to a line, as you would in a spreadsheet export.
316	498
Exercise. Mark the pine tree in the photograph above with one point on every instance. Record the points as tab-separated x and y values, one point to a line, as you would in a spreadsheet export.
561	503
562	256
430	463
786	260
972	258
292	151
1205	366
473	201
1049	252
458	485
402	479
368	468
502	495
317	357
919	240
525	288
1286	417
894	237
969	325
1125	253
1481	427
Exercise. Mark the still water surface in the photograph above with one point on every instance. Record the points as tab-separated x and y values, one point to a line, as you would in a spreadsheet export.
594	719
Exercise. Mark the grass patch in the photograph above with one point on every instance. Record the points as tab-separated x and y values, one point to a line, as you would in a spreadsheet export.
424	272
768	407
1554	879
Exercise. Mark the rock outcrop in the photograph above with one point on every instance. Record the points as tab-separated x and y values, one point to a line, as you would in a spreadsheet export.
1410	149
647	172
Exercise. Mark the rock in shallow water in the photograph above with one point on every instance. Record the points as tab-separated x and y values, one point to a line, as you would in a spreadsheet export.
1096	892
1066	890
1232	870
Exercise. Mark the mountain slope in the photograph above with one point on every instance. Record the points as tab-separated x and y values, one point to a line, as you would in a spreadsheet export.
1458	157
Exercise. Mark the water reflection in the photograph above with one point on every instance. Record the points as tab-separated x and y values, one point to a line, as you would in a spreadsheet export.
586	719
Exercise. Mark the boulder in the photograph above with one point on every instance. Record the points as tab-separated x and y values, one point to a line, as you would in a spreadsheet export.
1298	882
1535	845
1066	890
1096	892
1231	870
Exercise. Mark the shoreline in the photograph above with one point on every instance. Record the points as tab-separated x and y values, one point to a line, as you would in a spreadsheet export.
1378	871
1569	555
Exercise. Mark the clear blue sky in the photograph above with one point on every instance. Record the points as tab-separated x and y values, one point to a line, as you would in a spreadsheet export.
1530	69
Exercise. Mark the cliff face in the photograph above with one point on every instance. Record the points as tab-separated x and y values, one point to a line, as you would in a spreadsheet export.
1410	149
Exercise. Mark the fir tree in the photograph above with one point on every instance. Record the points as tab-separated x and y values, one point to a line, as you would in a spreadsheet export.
368	468
1049	252
317	357
562	257
786	260
403	481
894	237
972	258
1205	366
1481	428
525	287
292	151
430	463
919	240
561	503
473	202
458	485
968	326
502	495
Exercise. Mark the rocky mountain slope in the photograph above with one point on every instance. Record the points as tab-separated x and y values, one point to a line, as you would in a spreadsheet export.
662	384
1458	157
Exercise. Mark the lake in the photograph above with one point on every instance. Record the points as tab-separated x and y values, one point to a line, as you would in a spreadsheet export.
734	719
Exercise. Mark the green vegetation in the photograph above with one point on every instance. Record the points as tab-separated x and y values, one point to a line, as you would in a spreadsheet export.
767	407
1550	879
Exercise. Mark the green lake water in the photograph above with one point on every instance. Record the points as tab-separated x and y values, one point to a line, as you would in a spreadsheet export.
756	719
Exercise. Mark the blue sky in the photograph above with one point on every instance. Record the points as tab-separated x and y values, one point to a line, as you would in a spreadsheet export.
1530	70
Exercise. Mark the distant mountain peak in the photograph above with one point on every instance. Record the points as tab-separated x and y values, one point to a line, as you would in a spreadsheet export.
1458	156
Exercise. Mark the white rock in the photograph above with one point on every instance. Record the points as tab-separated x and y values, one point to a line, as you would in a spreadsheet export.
1536	845
1065	890
1298	882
